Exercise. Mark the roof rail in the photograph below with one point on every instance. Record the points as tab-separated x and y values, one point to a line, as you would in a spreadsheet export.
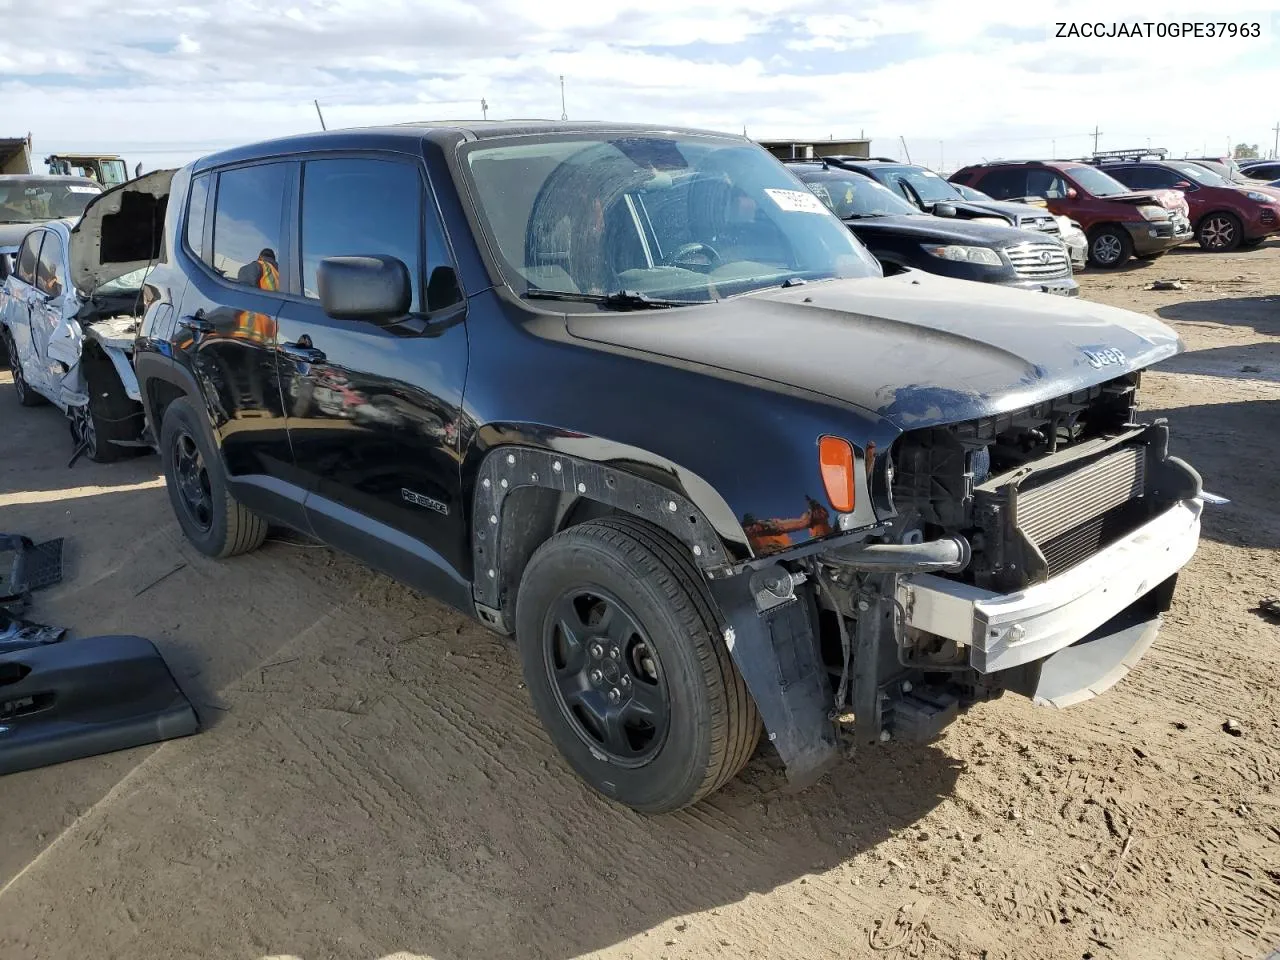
1155	153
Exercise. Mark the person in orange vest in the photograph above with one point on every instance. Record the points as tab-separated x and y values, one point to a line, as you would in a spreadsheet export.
263	273
775	534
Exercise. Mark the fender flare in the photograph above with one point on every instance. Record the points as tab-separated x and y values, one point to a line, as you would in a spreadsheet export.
150	366
510	467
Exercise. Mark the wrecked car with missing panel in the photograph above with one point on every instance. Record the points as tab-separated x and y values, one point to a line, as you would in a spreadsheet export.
714	471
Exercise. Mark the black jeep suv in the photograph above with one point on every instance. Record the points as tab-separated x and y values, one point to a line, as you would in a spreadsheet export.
634	395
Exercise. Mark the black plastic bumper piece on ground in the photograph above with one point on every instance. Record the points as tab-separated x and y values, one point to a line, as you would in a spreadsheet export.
27	566
778	656
79	698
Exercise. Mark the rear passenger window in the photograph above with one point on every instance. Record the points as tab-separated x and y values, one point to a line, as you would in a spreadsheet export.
357	207
1002	184
196	215
50	277
28	256
246	224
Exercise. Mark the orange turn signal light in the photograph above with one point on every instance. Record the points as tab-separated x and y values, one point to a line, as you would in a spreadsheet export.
835	458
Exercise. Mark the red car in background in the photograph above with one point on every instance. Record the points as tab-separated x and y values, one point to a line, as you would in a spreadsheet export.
1224	215
1119	222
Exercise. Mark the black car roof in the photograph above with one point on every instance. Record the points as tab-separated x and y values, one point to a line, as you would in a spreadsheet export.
406	137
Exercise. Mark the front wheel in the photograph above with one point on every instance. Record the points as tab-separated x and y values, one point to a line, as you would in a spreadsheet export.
213	520
623	656
1110	247
1219	232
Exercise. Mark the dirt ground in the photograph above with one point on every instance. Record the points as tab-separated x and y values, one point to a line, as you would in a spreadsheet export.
373	783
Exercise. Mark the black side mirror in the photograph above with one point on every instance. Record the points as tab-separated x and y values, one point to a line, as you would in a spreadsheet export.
944	210
373	289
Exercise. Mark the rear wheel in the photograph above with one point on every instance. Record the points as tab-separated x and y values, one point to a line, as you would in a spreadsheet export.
26	396
1219	232
213	520
1109	247
626	666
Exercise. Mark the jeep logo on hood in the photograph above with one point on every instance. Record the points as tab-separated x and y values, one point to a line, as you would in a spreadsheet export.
1102	358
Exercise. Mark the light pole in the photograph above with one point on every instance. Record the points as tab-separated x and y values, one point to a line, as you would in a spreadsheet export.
564	115
484	108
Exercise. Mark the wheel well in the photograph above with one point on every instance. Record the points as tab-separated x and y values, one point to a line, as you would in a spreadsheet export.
1099	227
525	496
161	393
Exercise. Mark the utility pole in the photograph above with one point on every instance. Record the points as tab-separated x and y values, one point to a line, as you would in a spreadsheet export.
1053	153
1096	134
484	108
1275	151
564	115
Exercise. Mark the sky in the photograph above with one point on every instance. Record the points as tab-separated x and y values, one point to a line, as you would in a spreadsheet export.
162	82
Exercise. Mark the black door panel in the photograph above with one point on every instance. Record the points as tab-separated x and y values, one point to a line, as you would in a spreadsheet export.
226	324
373	411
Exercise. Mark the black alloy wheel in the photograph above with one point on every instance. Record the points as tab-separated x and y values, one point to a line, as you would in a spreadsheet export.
195	493
606	676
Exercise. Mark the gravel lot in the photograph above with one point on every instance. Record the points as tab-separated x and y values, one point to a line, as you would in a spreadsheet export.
373	782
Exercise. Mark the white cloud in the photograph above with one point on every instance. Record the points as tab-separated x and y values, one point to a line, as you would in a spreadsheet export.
985	77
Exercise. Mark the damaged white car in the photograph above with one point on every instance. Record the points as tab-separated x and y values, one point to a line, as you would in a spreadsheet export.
70	310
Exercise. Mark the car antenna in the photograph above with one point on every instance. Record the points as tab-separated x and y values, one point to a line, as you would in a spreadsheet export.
904	148
320	115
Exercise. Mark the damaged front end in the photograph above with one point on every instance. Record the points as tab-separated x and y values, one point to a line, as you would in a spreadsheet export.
1032	551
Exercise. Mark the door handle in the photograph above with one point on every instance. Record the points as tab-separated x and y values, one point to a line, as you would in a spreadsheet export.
196	324
301	352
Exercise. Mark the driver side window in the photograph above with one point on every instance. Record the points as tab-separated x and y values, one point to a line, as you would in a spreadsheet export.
28	256
1047	184
50	276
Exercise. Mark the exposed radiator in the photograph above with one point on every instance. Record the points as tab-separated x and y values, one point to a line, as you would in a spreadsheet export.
1068	517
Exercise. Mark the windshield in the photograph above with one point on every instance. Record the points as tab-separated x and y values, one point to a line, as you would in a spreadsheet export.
852	196
1198	174
37	199
930	187
969	193
1100	184
684	218
126	284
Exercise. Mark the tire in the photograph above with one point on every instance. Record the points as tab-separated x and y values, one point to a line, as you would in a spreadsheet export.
1219	232
674	657
1149	257
1251	244
26	396
192	470
111	415
1109	247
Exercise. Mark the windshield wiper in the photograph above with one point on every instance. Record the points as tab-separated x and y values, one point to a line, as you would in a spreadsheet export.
621	300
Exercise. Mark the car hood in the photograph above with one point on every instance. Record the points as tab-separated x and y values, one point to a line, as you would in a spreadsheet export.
1002	208
941	229
1168	199
121	230
914	348
1266	189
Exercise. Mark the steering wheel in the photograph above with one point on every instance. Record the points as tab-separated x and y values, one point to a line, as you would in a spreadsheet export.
708	251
